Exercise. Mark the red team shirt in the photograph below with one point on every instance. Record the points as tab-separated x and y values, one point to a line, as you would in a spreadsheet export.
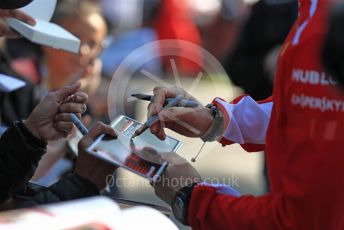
303	133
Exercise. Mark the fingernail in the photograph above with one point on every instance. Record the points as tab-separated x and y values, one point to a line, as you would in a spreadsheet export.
32	22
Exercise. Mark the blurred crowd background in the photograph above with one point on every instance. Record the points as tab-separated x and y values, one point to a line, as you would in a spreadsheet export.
244	36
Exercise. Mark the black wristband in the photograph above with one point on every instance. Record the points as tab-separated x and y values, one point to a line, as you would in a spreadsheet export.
180	204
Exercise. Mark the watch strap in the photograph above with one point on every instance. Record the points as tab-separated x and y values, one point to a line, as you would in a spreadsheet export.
180	204
217	127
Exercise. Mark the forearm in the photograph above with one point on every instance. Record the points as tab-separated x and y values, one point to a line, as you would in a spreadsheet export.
70	187
19	157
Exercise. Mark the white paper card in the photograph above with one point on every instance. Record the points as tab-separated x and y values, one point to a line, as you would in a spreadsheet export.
9	84
45	32
41	9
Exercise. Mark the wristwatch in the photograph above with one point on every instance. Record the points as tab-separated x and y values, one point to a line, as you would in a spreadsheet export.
180	203
216	128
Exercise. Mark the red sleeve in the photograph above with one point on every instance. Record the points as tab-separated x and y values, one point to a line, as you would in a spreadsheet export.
211	210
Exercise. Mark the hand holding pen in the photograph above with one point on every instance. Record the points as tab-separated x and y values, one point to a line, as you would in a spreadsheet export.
153	119
188	121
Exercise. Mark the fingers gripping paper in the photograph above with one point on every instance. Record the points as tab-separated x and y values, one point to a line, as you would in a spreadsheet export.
45	32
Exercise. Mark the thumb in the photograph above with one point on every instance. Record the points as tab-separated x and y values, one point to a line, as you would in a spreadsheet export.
66	91
98	129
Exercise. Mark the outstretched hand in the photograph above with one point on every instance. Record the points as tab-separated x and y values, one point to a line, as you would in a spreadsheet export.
191	122
51	119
